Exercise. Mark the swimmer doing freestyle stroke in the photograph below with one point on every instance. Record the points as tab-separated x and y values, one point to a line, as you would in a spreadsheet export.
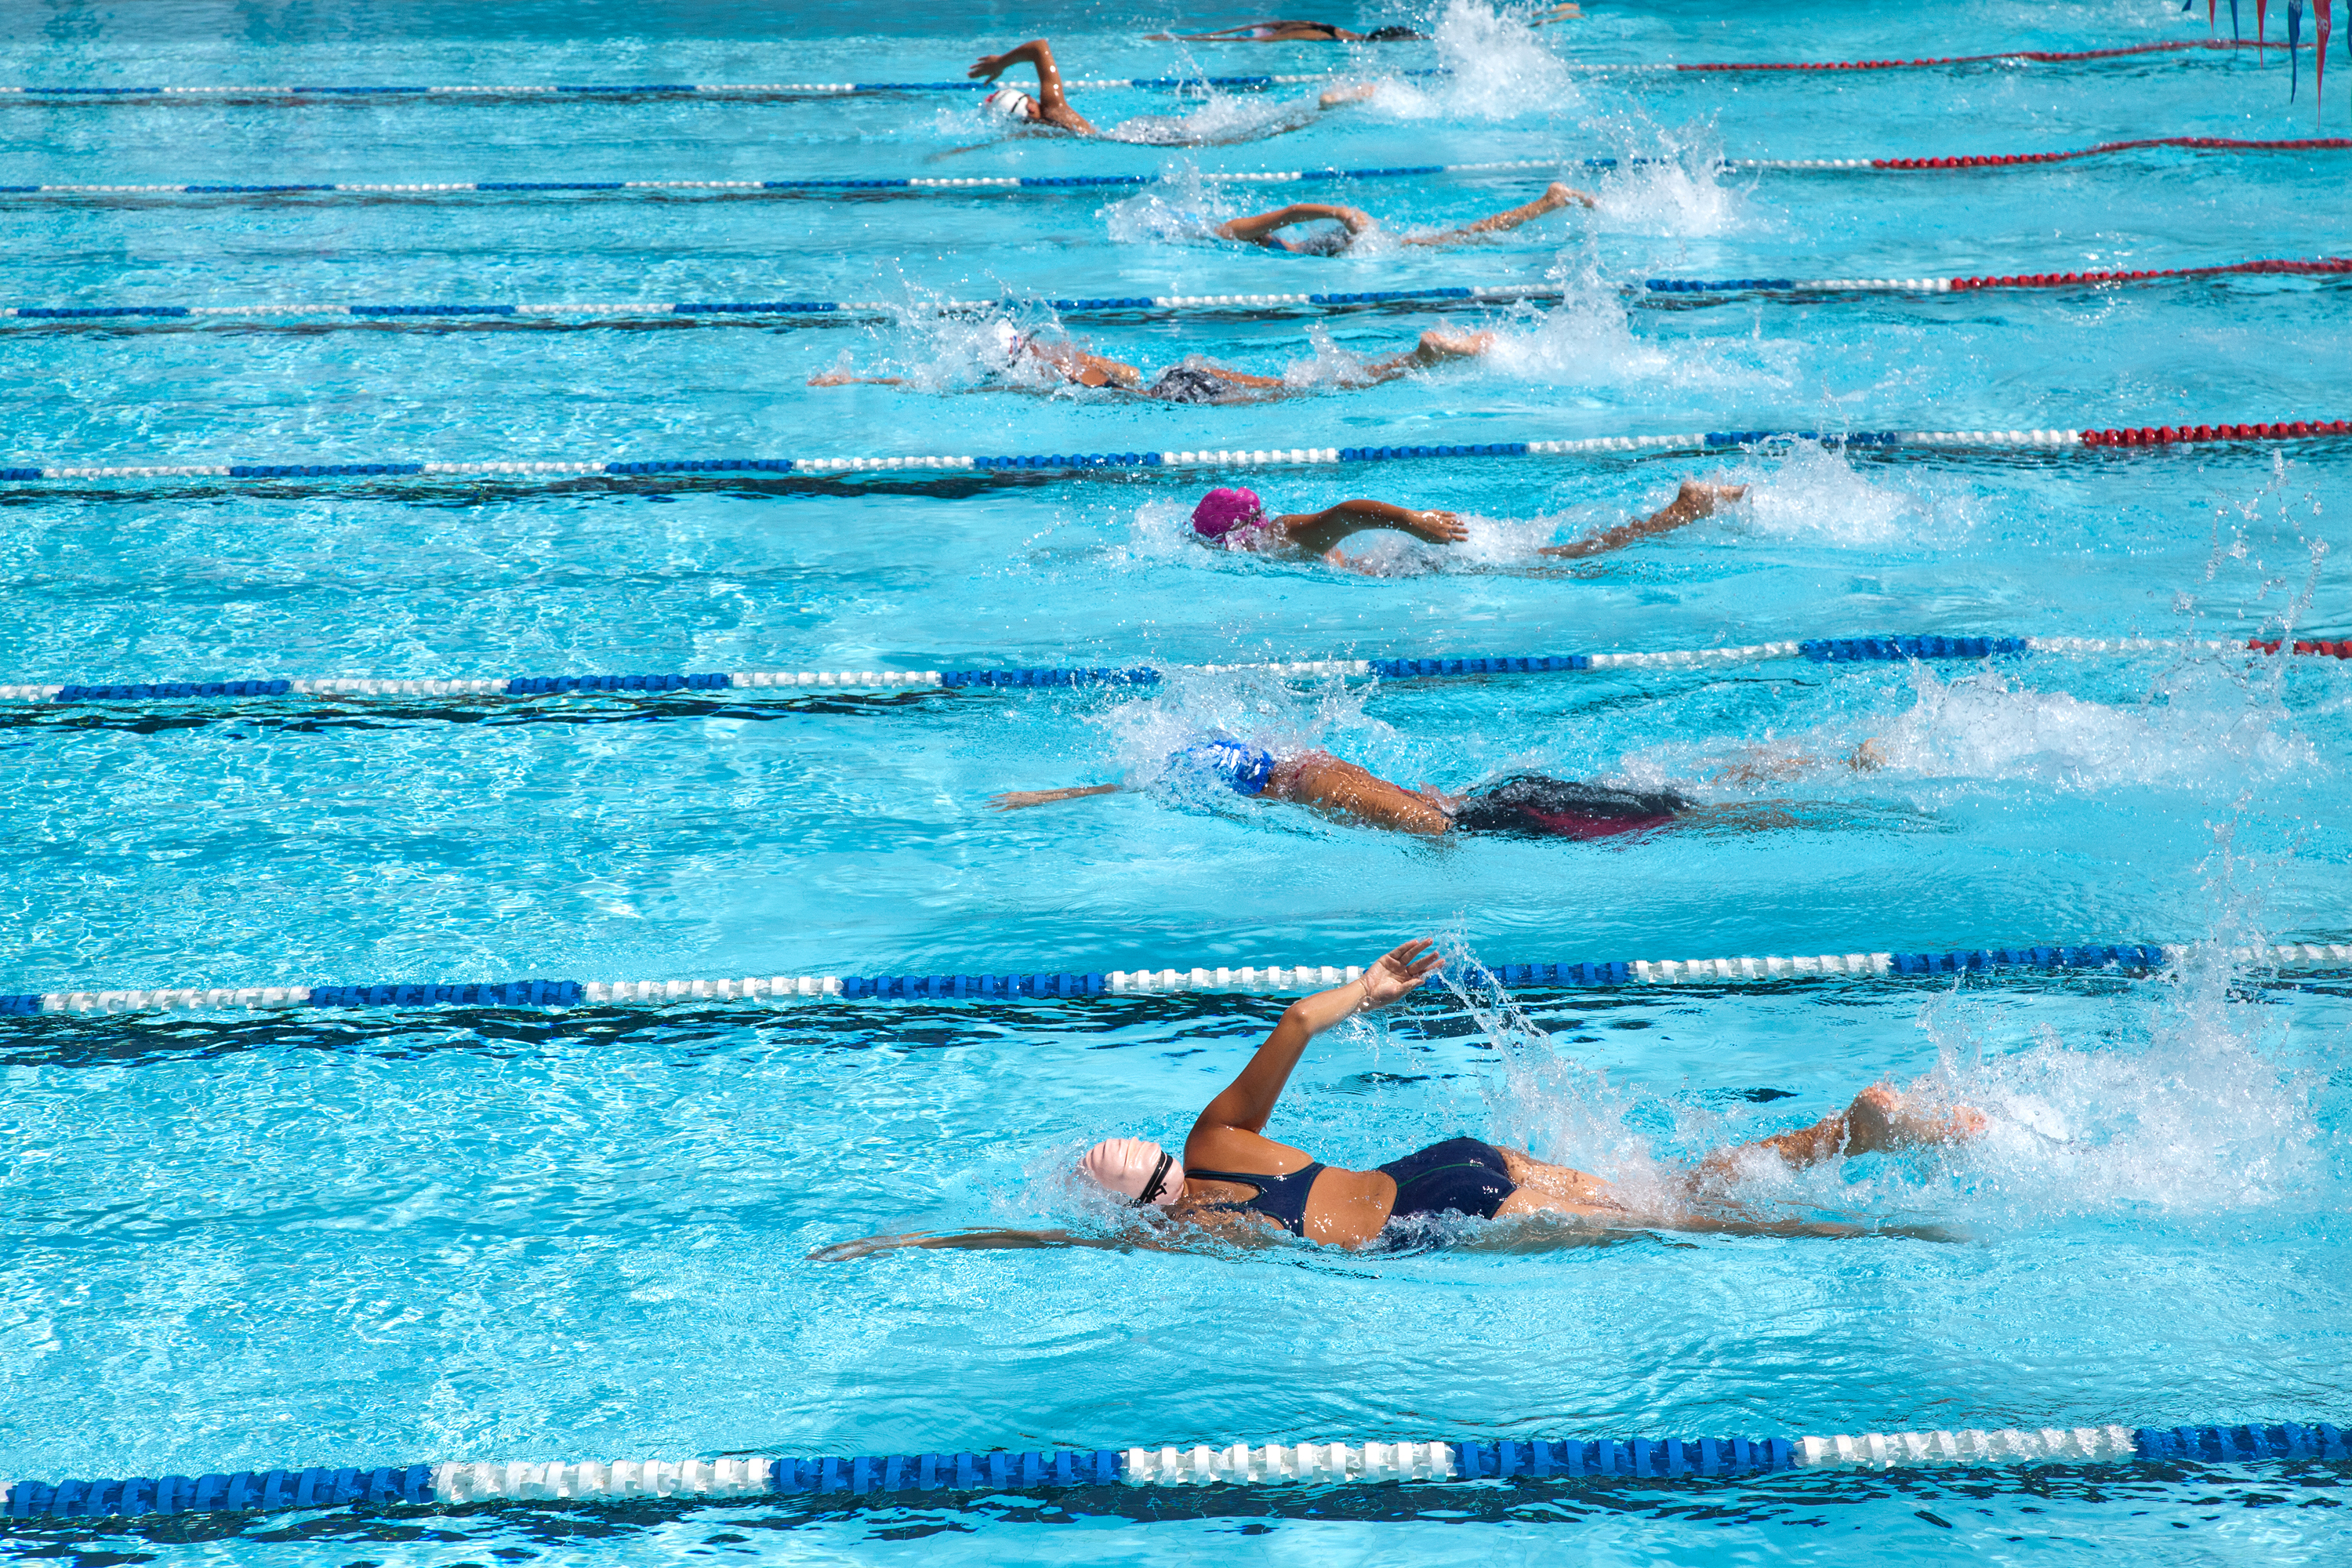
1051	109
1288	30
1237	520
1234	1184
1517	806
1017	357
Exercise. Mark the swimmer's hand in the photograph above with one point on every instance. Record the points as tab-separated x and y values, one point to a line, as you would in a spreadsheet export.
1401	970
1558	194
1339	95
1437	527
1014	800
988	68
1866	758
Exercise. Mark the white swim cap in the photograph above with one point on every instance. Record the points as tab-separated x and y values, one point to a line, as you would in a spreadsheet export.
1137	1169
1011	102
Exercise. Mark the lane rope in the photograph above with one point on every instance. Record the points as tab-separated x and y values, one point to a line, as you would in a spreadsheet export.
77	92
1218	458
2143	958
981	182
452	1483
615	312
1821	650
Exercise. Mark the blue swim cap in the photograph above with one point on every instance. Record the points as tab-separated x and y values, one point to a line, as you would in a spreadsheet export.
1244	768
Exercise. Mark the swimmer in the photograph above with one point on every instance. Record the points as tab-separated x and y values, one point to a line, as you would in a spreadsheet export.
1236	1183
1193	380
1051	107
1261	228
1236	519
1291	32
1517	806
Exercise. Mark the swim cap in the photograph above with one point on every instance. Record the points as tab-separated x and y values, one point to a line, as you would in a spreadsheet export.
1222	512
1248	768
1135	1168
1011	102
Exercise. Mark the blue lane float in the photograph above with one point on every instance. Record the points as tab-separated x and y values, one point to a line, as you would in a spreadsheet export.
1524	1459
2135	959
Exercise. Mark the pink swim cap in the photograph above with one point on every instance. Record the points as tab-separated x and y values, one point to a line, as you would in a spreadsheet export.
1137	1169
1222	512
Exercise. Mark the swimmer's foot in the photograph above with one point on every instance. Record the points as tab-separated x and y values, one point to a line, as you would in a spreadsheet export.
1437	346
1557	195
1880	1119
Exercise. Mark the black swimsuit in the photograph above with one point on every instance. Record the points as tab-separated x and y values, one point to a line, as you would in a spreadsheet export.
1461	1176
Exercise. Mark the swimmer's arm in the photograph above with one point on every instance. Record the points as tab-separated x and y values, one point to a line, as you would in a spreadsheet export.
973	1241
1014	800
842	378
1248	1100
1692	501
1052	105
1318	532
1258	226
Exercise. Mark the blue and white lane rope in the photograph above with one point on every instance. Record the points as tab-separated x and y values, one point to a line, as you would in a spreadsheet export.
1821	650
1272	177
591	312
604	312
1048	986
1203	457
452	1484
918	183
666	89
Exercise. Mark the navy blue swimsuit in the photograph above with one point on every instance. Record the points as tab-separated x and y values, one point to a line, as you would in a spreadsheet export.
1461	1176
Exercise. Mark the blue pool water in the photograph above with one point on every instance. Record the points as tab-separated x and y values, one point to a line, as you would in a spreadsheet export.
244	1240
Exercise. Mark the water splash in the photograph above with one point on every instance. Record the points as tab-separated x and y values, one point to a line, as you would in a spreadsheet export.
1816	493
1498	70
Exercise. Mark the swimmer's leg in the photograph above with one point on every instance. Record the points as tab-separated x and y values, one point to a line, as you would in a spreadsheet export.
1553	1189
1558	195
1435	348
1692	501
1879	1120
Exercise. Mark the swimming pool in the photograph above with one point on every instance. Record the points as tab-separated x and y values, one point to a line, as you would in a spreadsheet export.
252	1238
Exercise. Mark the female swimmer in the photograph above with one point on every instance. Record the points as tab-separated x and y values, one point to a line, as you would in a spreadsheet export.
1288	31
1236	519
1051	107
1193	380
1519	806
1235	1180
1261	228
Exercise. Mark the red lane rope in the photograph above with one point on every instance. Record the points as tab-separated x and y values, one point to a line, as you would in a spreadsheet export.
2206	143
2172	435
2325	650
2045	57
2322	267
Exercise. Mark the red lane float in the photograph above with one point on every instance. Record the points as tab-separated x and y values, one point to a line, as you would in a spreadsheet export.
2201	143
2042	57
2324	650
2322	267
2174	434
